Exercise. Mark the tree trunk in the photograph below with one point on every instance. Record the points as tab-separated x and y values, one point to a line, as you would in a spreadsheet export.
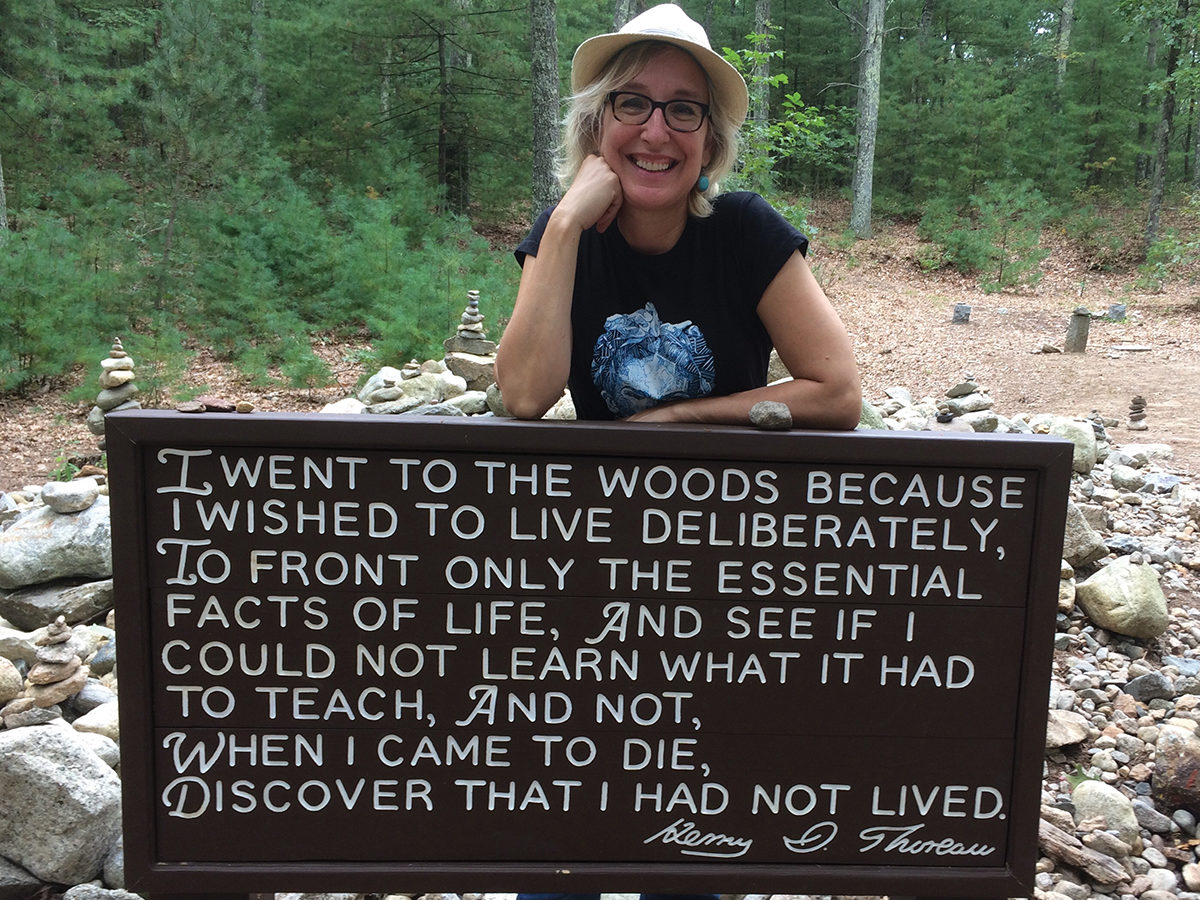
760	92
385	80
868	117
543	41
1158	182
1141	172
3	205
258	13
1195	154
1065	22
454	147
623	11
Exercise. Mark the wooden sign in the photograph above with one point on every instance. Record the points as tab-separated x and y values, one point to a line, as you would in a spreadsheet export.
362	653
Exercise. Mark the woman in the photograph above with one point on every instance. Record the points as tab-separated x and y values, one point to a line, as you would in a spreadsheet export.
654	298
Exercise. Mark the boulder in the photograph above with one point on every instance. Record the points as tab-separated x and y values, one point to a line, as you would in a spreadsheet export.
1176	780
1096	800
1083	436
40	604
43	545
1082	544
1126	597
474	368
62	805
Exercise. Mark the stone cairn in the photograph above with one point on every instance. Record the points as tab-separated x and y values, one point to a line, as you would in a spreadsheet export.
1137	414
471	337
469	353
59	673
117	389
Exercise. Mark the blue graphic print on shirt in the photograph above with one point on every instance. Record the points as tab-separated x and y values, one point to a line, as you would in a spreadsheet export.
640	361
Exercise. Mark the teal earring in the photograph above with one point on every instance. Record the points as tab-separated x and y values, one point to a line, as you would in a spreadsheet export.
702	183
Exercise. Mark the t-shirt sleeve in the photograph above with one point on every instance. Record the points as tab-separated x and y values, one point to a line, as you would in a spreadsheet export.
767	241
533	240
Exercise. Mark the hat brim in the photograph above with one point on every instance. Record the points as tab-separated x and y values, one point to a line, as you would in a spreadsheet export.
594	53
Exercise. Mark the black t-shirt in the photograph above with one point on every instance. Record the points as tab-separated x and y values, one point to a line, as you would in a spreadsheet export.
683	324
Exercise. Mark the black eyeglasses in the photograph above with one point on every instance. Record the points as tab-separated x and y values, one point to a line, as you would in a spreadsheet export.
635	109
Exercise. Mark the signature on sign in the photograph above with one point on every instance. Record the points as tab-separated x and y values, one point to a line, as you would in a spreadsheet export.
685	834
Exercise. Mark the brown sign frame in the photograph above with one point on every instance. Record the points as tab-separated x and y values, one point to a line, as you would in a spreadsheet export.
135	437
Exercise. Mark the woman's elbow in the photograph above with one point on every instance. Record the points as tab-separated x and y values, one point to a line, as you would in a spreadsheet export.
521	403
845	406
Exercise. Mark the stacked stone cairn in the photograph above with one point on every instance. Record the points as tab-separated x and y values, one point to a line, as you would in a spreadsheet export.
117	389
1137	414
59	673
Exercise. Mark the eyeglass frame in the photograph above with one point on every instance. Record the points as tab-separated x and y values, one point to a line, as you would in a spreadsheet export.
659	104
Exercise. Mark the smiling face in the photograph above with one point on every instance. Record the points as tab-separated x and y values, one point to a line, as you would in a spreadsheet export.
658	167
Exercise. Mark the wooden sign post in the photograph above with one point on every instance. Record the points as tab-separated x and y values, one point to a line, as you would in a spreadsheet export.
410	654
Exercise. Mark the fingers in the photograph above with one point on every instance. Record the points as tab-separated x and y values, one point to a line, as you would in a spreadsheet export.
594	197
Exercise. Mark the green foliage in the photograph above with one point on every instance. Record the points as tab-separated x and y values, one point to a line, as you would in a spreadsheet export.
799	133
193	175
1175	251
997	237
54	297
64	469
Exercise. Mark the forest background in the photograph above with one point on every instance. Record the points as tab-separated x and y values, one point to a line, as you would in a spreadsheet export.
257	177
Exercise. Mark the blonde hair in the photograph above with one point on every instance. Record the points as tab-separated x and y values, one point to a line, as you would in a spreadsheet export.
585	115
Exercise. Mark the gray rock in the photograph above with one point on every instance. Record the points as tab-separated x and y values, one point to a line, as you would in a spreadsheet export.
1095	799
1125	597
70	496
983	421
1065	728
104	660
111	398
114	864
382	386
1082	545
871	419
62	805
101	720
16	883
472	403
1083	436
476	369
1127	478
1151	819
345	406
43	545
95	420
495	402
92	892
1161	482
107	749
770	415
40	604
436	409
393	407
1176	781
1151	686
969	403
11	682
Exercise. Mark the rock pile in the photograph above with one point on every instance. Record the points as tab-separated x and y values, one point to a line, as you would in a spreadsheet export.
1120	800
117	389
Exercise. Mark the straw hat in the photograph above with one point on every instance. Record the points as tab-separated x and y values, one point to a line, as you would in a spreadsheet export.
669	24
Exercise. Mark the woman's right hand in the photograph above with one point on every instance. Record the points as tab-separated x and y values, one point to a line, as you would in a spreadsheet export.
594	197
